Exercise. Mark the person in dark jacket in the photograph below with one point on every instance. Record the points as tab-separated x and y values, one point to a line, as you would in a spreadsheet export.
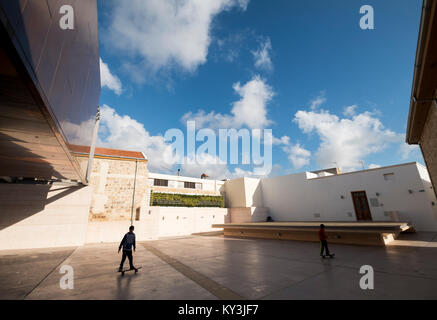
323	242
128	243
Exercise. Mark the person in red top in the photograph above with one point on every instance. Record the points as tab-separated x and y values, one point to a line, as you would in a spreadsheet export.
323	242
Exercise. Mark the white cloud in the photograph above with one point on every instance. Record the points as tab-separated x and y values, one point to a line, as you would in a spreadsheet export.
318	101
345	141
208	164
243	4
262	56
163	34
123	132
109	80
229	47
284	140
297	155
250	110
350	111
212	166
407	150
374	166
210	120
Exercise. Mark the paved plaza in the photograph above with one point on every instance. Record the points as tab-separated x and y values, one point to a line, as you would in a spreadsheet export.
214	267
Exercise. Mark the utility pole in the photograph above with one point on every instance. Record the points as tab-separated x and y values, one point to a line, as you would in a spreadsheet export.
133	194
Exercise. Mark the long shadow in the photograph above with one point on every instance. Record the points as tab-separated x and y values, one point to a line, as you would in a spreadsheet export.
27	143
22	198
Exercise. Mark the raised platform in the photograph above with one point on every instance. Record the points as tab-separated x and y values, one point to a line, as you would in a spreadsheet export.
361	233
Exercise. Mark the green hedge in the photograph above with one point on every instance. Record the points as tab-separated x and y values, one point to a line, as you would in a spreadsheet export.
185	200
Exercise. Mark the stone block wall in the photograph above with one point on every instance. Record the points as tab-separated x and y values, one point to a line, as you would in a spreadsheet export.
112	183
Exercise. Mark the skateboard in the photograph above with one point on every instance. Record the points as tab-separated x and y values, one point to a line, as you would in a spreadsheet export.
331	256
127	270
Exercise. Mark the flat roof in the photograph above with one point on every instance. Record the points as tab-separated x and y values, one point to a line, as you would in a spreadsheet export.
368	170
153	175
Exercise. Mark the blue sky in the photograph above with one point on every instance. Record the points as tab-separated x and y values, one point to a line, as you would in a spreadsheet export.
291	66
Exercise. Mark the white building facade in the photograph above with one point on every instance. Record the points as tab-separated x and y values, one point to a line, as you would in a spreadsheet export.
184	185
396	193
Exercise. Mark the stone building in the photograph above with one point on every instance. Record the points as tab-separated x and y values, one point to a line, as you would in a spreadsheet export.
116	176
422	119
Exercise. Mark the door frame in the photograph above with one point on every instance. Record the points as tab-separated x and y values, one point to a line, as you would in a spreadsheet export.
355	206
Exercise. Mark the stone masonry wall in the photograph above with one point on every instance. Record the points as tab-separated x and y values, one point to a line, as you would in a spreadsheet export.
428	144
112	183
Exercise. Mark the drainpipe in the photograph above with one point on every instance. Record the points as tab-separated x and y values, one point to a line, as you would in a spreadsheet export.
133	195
93	147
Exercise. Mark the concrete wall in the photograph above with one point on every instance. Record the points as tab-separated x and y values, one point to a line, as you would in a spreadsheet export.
248	214
428	144
112	183
158	222
243	193
185	221
253	192
301	197
41	216
235	193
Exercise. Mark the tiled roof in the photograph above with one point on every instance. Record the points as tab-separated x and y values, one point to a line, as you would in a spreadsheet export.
108	152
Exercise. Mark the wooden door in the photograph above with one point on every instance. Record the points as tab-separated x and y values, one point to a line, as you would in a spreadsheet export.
361	206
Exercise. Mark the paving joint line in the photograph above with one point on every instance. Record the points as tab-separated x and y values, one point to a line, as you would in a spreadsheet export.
49	273
332	265
205	282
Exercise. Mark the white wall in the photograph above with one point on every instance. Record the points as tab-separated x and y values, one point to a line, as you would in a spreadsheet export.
243	193
248	214
296	198
235	196
426	180
178	221
41	216
157	222
253	192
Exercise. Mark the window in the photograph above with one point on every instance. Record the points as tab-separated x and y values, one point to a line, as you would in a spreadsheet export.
138	214
389	176
189	185
374	202
160	183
